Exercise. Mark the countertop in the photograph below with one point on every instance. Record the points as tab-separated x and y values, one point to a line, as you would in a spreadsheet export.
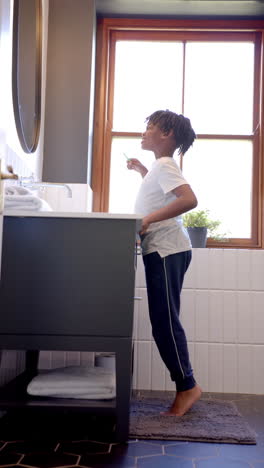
60	214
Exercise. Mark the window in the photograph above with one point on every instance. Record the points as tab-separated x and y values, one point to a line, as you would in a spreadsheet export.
212	77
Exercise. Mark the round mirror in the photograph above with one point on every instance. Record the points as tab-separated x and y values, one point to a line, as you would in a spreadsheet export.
26	71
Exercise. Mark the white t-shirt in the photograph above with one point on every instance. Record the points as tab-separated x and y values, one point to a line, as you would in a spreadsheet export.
169	236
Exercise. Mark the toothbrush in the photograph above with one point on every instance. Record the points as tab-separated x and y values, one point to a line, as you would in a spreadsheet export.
127	158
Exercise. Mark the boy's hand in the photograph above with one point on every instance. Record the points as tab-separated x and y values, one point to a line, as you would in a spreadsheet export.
136	165
144	226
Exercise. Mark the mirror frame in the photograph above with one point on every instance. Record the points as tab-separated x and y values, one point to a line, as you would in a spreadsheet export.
28	146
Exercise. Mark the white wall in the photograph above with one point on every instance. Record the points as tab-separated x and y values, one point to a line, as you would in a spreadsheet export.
222	312
56	197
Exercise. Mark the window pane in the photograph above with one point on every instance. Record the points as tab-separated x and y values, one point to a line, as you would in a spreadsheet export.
222	183
220	173
124	183
148	77
219	87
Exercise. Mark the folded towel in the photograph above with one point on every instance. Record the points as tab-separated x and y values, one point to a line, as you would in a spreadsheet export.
92	383
20	198
16	190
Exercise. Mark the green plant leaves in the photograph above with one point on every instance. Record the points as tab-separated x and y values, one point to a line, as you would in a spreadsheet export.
201	218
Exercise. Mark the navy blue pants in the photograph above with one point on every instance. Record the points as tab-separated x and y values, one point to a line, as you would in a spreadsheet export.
164	278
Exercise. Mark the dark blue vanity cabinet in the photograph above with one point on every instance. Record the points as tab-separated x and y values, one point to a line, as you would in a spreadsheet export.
67	283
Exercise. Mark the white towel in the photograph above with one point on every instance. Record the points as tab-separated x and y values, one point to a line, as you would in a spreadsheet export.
20	198
92	383
16	190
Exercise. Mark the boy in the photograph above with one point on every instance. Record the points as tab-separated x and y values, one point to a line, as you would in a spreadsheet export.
163	196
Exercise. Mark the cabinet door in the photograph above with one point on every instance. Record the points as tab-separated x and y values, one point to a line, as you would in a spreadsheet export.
1	215
67	276
1	235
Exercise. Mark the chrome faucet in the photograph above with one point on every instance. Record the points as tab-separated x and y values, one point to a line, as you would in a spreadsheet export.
32	184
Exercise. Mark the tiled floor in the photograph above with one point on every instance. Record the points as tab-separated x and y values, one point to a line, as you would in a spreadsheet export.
49	440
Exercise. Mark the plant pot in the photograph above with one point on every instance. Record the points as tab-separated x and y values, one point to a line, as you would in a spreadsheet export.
198	236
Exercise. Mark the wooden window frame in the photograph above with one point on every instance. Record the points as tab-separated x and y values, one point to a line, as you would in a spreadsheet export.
108	29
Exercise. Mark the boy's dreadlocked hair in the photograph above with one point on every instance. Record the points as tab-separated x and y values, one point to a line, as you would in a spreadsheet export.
183	132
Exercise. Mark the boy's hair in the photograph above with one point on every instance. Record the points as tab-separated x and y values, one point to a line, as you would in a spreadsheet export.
182	130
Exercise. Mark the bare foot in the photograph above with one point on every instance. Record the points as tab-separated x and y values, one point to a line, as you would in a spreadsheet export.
184	401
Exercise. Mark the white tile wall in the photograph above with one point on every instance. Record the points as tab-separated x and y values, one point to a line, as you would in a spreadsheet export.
53	359
12	363
222	311
58	200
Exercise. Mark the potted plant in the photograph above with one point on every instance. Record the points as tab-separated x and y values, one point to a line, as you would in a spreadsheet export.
200	226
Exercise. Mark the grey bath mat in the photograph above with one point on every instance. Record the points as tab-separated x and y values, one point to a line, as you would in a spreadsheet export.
209	420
